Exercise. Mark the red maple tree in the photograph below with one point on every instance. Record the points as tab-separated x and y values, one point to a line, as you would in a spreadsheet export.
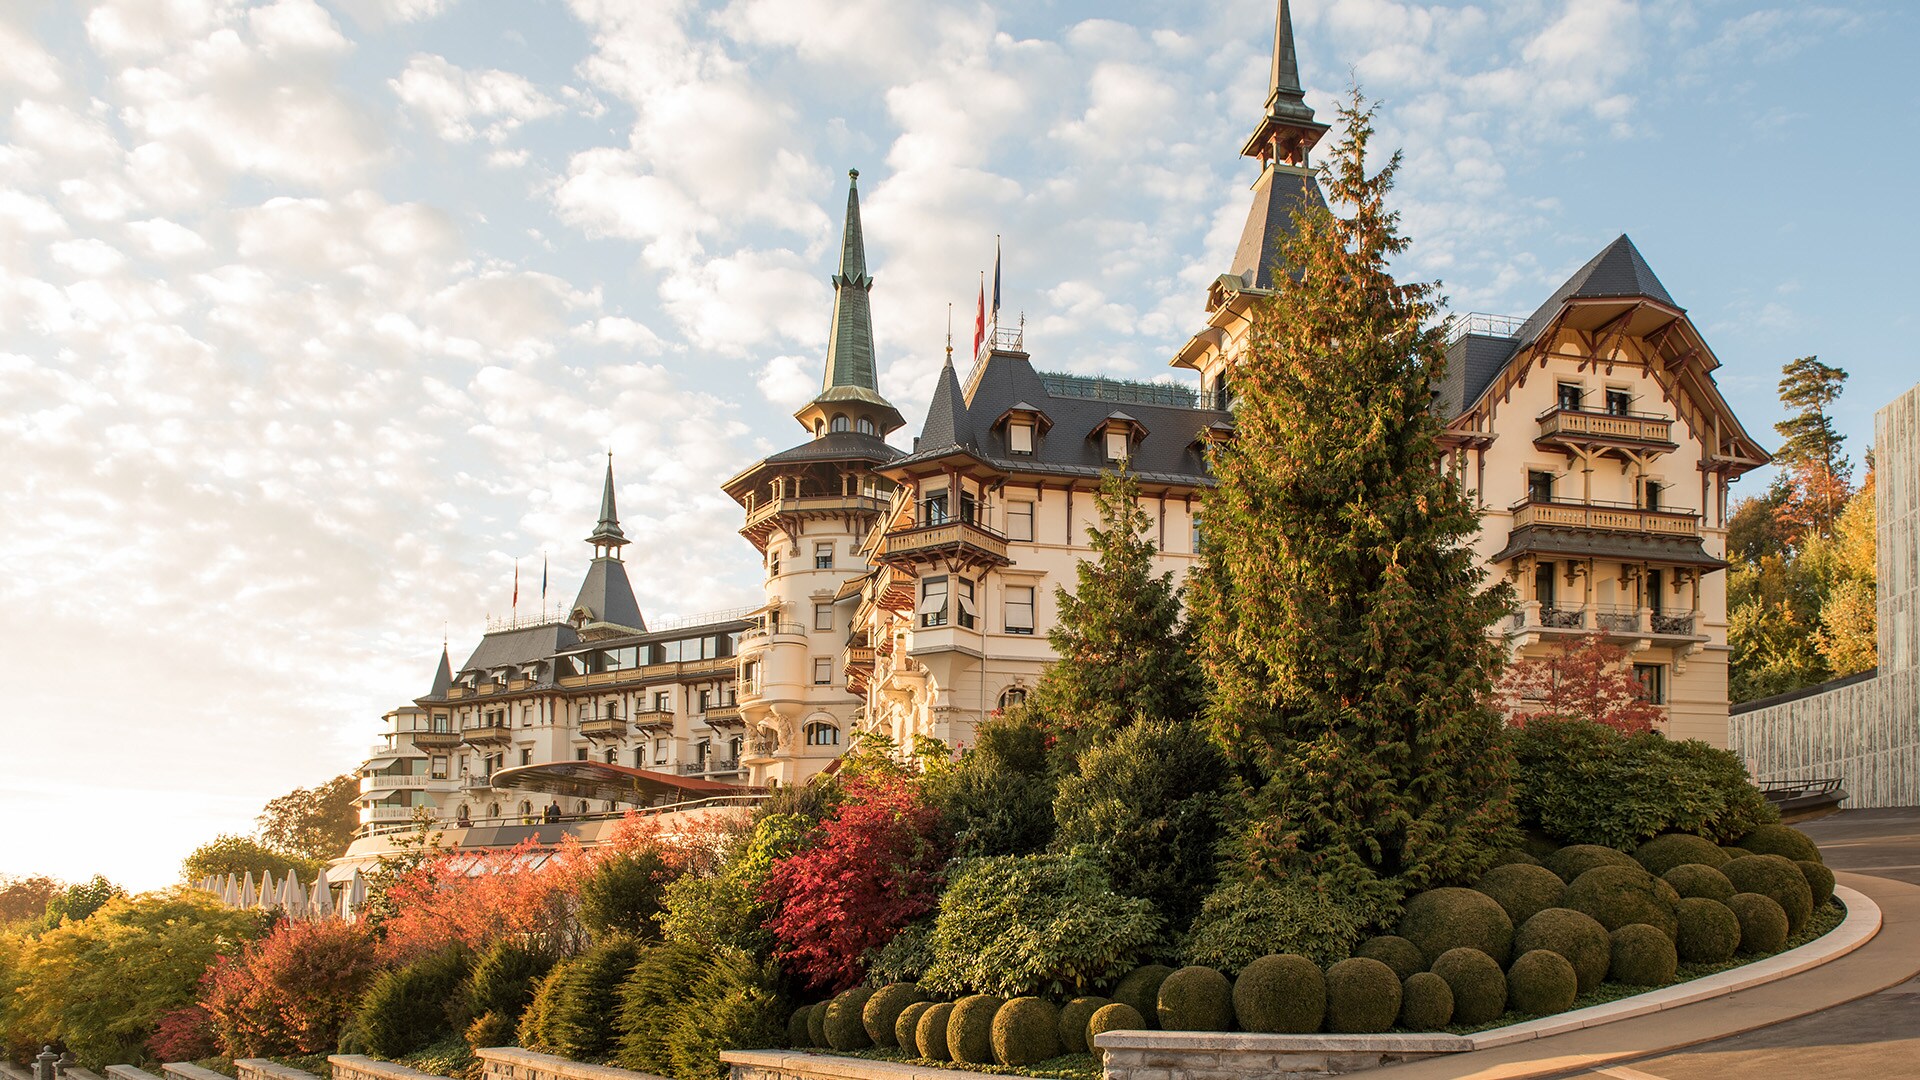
1585	678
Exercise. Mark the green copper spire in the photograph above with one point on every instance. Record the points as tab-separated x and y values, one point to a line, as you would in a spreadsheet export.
851	381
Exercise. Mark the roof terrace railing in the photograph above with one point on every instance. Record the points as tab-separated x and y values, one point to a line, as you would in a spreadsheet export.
1120	391
1483	323
540	616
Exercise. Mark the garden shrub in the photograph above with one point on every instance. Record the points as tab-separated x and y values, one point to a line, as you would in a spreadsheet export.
1642	956
906	958
1140	989
1778	877
846	1019
1782	840
1668	850
412	1007
908	1022
1701	880
185	1034
1541	983
1479	986
1073	1022
728	909
1243	921
1118	1016
1196	998
589	1001
970	1029
817	1025
1363	996
1146	806
1574	935
1521	890
1763	923
622	893
1026	1030
648	997
1733	853
504	978
1575	859
293	991
999	799
490	1029
736	1005
1281	994
1620	895
1403	956
1036	924
1819	881
1513	856
1441	919
1583	782
930	1034
1426	1002
533	1022
797	1036
883	1009
1709	931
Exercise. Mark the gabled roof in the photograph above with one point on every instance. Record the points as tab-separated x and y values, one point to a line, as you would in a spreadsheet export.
1618	271
607	596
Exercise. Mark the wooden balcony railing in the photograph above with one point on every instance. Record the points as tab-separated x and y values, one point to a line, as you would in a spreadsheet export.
814	504
1588	426
604	727
1603	516
964	537
436	740
485	733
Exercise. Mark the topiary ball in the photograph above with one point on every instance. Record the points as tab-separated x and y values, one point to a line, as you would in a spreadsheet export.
1282	995
1575	859
1509	856
1196	998
1778	877
846	1026
1573	934
1426	1002
817	1025
883	1010
1698	879
1118	1016
1073	1022
1733	853
1819	881
1643	956
1403	956
1709	931
1663	853
1541	983
1788	843
1522	891
930	1034
970	1029
1619	896
1479	986
906	1028
1763	923
1441	919
797	1028
1140	988
1363	996
1026	1030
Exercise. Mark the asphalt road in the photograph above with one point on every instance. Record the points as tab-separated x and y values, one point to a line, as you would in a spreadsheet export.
1875	1038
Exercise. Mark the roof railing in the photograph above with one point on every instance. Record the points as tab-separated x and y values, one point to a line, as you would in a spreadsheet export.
704	618
1120	391
1483	323
541	616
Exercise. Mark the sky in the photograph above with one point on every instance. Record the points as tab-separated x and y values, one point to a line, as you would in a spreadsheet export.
316	319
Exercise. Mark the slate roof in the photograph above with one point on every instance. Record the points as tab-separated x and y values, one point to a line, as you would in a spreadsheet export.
608	596
837	446
1285	96
1591	543
1473	362
442	678
1618	271
1279	192
506	648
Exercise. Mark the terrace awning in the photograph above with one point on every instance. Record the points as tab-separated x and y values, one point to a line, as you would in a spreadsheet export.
612	783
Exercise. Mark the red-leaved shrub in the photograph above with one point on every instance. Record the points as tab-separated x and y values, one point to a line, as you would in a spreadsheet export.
184	1035
874	868
475	898
292	991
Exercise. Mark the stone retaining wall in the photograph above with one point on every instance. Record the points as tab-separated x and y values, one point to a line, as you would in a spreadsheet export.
361	1067
800	1065
262	1069
187	1070
513	1063
128	1072
1183	1055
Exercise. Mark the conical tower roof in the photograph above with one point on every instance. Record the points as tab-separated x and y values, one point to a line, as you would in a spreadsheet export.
851	376
442	677
1281	139
607	532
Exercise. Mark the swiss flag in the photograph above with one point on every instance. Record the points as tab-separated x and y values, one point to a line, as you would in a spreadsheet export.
980	317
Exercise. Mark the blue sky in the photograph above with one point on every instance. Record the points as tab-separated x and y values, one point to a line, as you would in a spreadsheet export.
315	317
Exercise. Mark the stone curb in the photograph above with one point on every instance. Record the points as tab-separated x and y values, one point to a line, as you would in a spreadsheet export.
839	1067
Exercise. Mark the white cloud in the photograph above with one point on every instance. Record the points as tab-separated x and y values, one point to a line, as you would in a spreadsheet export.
461	105
167	239
790	381
88	257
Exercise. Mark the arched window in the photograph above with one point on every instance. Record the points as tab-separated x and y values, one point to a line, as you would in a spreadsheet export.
839	422
865	427
493	810
464	812
1012	696
583	806
525	808
819	428
819	734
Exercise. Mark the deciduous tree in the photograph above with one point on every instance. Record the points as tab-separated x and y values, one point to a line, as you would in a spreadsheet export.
1585	677
230	854
314	823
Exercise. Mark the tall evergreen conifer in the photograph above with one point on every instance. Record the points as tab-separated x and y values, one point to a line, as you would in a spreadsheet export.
1341	610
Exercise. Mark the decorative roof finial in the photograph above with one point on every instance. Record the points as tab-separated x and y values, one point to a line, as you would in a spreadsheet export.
607	536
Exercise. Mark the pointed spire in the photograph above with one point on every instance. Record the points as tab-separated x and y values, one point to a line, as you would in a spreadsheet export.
946	414
850	340
1287	129
853	243
442	676
607	539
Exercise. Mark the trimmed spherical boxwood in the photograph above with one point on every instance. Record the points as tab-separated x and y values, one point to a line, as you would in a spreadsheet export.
930	1034
1442	919
883	1009
1573	934
1763	923
1663	853
1196	998
1118	1016
1643	956
817	1025
1819	881
1781	840
1479	986
1522	891
846	1026
970	1029
1073	1022
1575	859
906	1027
1701	880
1778	877
1709	931
1026	1030
1733	853
1403	956
1281	995
1618	896
1426	1002
797	1028
1140	988
1508	856
1541	983
1363	996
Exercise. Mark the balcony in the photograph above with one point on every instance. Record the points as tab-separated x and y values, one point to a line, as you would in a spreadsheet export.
724	716
1625	433
436	740
487	734
767	515
604	727
710	767
646	721
1605	517
964	542
393	782
481	782
1614	621
763	747
387	813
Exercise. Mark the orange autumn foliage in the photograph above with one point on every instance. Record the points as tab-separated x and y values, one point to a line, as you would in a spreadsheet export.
1585	678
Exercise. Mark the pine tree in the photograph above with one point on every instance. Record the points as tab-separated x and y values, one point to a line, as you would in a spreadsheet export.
1122	650
1817	474
1341	608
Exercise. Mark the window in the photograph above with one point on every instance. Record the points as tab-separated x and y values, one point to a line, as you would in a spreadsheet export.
639	758
660	702
933	602
1012	696
659	751
1194	527
526	716
526	755
823	556
819	734
439	771
773	564
1222	393
822	671
839	422
967	507
1571	395
1019	521
966	603
1539	486
706	700
1619	402
819	428
1653	682
493	809
1020	437
1650	494
933	508
1543	584
823	616
1116	443
611	753
1019	609
865	426
526	807
580	753
1654	580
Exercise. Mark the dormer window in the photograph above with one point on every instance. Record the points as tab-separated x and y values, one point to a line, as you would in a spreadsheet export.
1118	434
840	422
1024	426
1116	444
865	426
1020	437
